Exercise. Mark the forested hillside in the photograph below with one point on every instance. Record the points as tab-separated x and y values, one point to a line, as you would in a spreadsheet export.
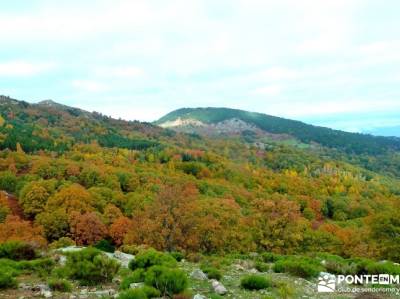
80	178
375	153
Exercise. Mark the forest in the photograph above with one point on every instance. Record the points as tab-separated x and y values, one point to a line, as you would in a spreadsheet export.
70	177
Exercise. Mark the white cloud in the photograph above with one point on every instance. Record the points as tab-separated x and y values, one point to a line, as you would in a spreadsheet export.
279	73
23	68
90	86
120	72
272	90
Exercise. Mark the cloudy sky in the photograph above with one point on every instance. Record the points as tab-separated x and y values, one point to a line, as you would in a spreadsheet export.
333	62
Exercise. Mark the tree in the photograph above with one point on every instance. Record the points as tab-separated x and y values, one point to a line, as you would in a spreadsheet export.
86	229
55	223
111	213
8	181
33	198
119	229
71	198
385	231
168	222
15	229
278	226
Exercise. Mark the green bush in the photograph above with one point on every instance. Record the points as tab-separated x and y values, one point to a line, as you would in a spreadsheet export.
105	245
301	267
60	285
359	266
42	266
269	257
9	266
90	266
212	273
178	256
255	282
17	251
383	267
136	276
151	257
167	281
7	280
8	181
262	267
216	296
151	292
133	294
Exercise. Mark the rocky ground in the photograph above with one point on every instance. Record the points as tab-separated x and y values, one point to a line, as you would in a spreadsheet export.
284	286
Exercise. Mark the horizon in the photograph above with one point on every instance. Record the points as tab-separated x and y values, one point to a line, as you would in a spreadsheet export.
333	64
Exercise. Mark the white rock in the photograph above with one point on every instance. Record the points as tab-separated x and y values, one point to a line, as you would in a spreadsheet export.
218	287
239	267
71	249
62	260
47	294
103	293
198	274
136	285
199	296
124	258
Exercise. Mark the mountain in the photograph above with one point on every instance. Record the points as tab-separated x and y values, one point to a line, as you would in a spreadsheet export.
50	125
216	121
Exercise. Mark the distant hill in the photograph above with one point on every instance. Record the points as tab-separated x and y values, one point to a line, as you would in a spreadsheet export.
198	120
53	126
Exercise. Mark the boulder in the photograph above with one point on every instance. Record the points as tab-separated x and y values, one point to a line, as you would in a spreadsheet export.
218	287
123	258
199	296
103	293
198	274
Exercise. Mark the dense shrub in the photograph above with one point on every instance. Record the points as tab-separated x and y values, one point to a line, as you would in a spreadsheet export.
167	281
7	280
105	245
133	294
337	265
269	257
8	181
137	276
60	285
255	282
178	256
383	267
90	266
262	267
17	251
151	292
359	266
212	273
302	267
151	257
42	266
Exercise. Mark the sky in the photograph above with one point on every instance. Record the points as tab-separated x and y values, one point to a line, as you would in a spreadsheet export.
333	63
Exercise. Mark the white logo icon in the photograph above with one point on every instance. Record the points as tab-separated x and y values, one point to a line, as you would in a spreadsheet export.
326	283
